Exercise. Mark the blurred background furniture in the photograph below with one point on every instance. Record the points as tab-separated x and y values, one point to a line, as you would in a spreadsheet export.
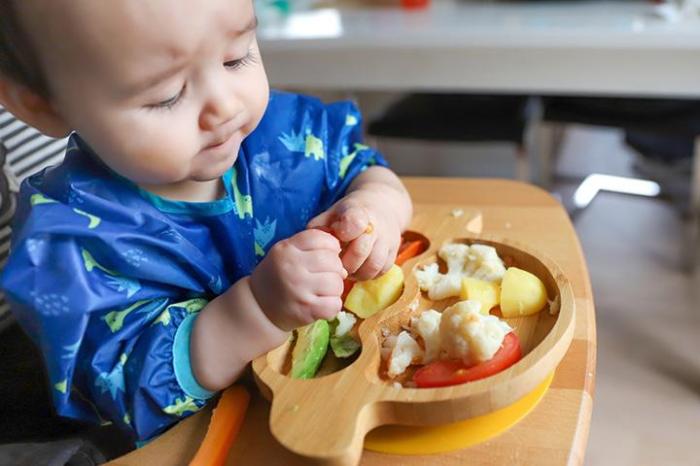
459	118
586	48
617	47
643	120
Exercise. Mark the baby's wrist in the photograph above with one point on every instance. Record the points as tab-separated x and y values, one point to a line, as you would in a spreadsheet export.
250	315
230	332
257	285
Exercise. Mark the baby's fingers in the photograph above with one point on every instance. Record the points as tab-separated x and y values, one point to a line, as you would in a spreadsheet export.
328	284
325	307
375	263
352	221
314	239
323	261
321	220
357	251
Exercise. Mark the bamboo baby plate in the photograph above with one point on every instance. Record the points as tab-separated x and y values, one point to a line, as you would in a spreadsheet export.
325	419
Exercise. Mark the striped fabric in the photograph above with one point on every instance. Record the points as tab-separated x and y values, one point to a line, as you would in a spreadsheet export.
27	152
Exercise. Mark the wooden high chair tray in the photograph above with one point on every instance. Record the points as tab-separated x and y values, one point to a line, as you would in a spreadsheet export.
360	399
554	433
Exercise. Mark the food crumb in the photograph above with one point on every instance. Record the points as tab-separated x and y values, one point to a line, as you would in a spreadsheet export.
295	408
397	385
554	306
475	225
457	212
508	225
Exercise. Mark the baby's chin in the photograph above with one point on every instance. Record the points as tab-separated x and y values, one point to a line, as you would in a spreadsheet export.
212	169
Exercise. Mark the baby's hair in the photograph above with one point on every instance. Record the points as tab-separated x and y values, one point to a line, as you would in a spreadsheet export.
18	60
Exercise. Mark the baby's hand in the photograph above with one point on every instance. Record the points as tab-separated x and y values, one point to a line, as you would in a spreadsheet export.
372	234
300	280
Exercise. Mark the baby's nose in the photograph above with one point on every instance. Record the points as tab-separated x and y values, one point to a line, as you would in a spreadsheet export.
218	109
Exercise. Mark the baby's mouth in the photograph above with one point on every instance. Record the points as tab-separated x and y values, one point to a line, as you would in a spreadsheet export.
220	141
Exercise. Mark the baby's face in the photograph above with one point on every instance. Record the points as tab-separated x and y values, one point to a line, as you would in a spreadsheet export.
163	90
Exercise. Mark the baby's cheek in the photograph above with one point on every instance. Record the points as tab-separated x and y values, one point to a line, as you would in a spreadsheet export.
159	155
174	143
256	94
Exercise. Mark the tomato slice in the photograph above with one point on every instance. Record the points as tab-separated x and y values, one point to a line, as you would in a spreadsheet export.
447	372
347	286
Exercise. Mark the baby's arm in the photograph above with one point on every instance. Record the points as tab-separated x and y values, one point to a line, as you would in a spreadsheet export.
122	344
230	332
300	280
370	218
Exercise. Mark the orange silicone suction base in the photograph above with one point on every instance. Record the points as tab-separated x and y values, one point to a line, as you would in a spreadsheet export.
407	440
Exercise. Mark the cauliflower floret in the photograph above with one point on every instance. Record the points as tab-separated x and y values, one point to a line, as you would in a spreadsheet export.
469	335
346	321
484	263
445	286
478	261
438	286
402	351
426	276
427	326
455	256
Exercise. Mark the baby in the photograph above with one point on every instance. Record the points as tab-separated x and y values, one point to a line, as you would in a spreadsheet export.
187	230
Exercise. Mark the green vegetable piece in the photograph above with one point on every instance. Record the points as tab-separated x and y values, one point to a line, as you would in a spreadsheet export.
309	349
345	346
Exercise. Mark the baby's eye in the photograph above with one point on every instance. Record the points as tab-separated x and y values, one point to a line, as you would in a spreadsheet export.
240	63
171	102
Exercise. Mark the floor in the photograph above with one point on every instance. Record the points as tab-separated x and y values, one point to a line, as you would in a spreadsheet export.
647	400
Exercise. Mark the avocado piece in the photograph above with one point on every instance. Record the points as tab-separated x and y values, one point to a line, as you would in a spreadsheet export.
309	349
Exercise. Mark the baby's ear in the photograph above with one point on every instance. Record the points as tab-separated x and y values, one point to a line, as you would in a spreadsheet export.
31	108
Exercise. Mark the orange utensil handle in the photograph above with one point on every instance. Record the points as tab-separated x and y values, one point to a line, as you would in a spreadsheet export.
226	421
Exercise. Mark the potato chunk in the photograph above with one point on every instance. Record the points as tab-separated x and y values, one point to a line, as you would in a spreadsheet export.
368	297
487	293
522	293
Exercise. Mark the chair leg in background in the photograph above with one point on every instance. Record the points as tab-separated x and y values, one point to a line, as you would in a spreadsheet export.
522	164
691	252
531	147
547	141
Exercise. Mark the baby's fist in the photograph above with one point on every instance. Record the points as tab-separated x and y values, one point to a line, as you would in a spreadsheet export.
300	280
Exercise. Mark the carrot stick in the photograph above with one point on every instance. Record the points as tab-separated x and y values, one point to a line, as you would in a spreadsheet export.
226	421
411	249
